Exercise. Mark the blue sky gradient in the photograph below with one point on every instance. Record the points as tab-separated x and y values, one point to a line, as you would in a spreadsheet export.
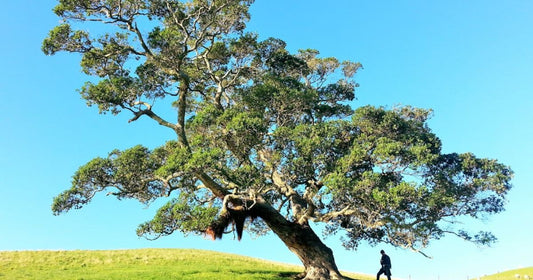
470	61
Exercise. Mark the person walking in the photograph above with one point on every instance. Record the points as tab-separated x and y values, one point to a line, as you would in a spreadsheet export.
385	265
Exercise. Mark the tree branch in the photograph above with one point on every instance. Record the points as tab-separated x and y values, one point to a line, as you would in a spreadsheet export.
153	116
213	186
346	211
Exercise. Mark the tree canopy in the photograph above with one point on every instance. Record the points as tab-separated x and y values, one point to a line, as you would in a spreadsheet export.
264	137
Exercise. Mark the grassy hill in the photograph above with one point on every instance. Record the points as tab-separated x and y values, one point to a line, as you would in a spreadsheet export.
142	264
510	275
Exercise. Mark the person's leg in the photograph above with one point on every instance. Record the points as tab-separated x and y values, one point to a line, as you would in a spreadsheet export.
379	273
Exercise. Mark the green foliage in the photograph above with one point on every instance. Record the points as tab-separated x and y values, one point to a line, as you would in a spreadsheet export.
403	186
109	58
111	94
256	123
311	150
63	38
183	214
129	172
89	179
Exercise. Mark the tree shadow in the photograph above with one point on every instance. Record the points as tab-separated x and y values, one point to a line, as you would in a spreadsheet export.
288	275
295	275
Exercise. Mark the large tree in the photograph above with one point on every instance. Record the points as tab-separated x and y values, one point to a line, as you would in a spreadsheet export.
265	139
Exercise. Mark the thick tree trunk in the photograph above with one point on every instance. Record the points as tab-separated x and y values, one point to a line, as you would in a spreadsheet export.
316	257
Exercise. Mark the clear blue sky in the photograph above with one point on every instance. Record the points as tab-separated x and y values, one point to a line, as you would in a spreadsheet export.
470	61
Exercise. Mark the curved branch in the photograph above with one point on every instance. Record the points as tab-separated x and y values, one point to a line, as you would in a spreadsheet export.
213	186
420	252
155	117
347	211
182	105
135	29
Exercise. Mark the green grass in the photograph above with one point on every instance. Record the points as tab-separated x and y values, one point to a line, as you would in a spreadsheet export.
142	264
510	274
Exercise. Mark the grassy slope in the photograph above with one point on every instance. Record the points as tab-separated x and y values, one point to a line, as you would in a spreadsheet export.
510	275
142	264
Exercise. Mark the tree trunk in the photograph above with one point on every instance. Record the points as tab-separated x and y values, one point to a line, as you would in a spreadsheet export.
316	257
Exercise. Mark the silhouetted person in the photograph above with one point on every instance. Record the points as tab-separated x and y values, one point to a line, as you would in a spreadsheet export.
385	265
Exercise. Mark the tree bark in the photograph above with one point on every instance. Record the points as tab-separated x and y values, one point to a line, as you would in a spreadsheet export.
316	257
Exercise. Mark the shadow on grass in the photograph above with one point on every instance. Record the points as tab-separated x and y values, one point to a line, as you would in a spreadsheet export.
294	275
288	275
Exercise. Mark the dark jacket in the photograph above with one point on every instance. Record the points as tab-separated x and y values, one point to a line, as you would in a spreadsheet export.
385	261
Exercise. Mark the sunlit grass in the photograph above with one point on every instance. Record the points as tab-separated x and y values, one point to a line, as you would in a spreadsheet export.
515	274
142	264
